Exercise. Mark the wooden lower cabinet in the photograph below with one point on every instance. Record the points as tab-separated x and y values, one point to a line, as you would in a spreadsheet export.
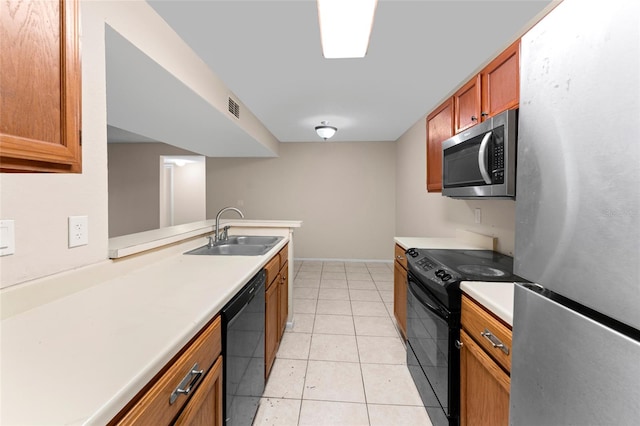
197	370
276	305
283	298
400	290
205	406
484	387
485	365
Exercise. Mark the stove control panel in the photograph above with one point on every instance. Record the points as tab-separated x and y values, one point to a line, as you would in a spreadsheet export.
430	268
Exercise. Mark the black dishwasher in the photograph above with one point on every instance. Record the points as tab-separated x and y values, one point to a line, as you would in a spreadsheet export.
243	352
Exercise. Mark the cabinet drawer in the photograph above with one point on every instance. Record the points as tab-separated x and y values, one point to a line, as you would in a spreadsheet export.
272	267
154	407
487	331
284	255
400	256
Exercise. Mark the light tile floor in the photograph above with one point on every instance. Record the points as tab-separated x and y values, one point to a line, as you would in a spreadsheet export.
343	362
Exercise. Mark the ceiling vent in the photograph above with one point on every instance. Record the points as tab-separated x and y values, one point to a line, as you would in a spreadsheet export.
234	108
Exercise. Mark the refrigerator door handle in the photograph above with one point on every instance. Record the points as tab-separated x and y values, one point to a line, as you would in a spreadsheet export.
495	342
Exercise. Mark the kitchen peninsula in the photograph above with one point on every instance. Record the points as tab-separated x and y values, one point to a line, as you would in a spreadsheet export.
86	354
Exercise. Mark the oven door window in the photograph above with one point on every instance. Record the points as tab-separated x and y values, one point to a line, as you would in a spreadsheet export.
428	334
462	166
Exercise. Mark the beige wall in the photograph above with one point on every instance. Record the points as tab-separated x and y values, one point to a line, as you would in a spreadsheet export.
343	193
134	186
189	193
423	214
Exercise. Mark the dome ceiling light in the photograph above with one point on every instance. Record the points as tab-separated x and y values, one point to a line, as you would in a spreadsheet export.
325	131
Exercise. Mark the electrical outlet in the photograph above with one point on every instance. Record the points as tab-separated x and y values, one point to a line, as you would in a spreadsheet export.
78	231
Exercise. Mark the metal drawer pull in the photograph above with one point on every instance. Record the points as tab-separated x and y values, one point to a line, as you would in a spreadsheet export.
399	257
191	379
495	342
459	344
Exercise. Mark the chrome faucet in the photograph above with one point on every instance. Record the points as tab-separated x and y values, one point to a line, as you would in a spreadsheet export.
224	236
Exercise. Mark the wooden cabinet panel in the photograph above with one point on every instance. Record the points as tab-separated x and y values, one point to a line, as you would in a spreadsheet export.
271	327
154	406
276	305
284	255
484	387
439	128
272	268
400	289
400	256
467	105
501	82
205	406
40	87
400	297
476	321
283	298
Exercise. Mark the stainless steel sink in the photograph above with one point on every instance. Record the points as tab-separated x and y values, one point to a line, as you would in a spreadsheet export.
252	240
240	245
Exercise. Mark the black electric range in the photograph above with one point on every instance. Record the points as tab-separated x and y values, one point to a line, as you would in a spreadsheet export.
441	271
433	320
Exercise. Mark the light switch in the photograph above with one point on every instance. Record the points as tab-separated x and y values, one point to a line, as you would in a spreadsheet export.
7	237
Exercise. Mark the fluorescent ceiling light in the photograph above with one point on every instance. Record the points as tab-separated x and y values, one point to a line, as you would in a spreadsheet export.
345	27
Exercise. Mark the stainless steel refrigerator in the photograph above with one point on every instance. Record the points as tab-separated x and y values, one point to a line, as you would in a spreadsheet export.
576	331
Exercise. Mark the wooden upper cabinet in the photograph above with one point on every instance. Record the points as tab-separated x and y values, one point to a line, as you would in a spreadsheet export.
494	90
439	128
467	104
40	86
501	82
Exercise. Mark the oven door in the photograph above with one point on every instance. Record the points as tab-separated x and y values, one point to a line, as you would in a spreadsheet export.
431	333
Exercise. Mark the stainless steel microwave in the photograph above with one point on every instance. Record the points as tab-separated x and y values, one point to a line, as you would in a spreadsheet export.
481	162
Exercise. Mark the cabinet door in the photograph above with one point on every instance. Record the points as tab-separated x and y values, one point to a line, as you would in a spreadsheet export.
205	406
40	87
283	298
400	297
467	105
478	321
439	128
271	326
484	387
501	82
157	405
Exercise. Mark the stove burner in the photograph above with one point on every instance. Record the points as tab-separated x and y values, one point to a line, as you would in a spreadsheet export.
483	271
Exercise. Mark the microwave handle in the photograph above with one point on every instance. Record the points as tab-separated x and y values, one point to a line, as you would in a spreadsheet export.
482	158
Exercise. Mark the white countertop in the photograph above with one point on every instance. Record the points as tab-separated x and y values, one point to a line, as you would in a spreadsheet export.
79	359
496	297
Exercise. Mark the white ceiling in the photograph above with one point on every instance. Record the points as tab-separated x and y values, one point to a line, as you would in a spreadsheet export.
268	53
